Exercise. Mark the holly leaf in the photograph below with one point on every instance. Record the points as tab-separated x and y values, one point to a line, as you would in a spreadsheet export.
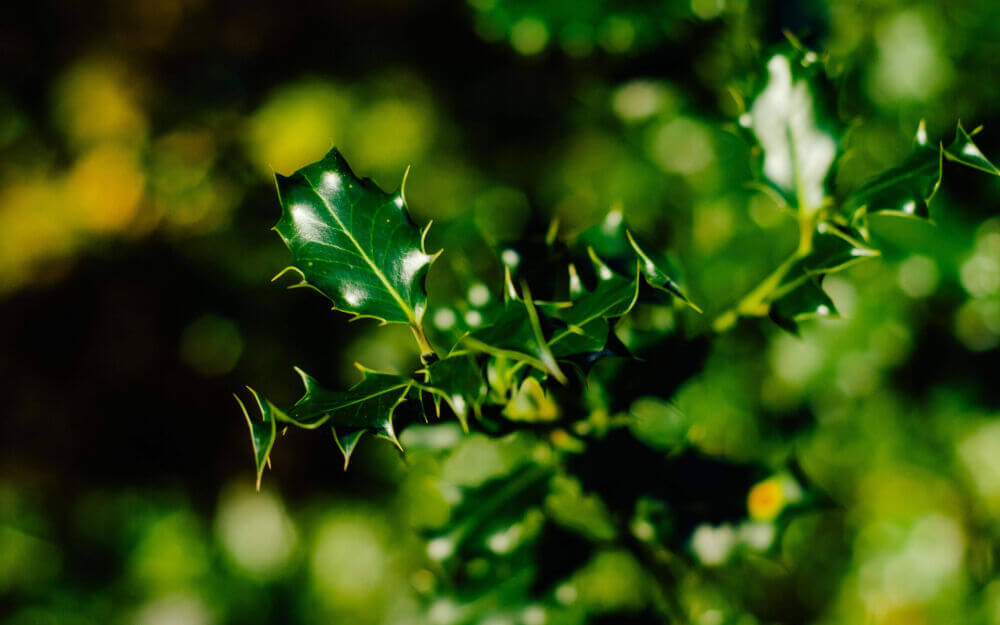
908	189
457	380
517	334
588	319
367	407
353	242
613	243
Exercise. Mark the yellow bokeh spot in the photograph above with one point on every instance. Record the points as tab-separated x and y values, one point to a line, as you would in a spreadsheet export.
105	187
393	133
766	500
296	125
96	101
33	227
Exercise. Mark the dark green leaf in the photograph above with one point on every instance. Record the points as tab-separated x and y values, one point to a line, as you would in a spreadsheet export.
367	406
588	318
353	242
834	248
517	334
613	243
457	380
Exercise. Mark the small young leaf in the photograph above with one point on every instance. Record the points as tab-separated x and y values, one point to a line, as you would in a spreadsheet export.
353	242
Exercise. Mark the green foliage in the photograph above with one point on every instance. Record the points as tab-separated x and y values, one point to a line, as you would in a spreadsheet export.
540	383
798	153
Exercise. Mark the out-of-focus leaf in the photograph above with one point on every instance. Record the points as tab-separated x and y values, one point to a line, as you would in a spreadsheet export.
658	424
494	519
798	149
353	242
907	190
568	506
805	301
530	403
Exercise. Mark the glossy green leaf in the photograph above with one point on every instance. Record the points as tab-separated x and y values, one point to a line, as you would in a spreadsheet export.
517	334
614	244
367	406
588	318
353	242
457	380
656	277
834	248
964	150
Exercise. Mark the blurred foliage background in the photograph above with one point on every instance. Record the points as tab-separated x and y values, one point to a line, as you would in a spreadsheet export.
138	141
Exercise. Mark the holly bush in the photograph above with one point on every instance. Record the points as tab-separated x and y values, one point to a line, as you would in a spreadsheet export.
583	437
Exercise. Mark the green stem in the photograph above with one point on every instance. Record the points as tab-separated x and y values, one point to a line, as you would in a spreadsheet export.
757	302
427	353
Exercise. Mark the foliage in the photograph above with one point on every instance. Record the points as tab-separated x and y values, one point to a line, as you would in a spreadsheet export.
540	381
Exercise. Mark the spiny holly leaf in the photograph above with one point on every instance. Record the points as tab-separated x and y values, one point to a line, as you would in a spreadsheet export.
456	379
803	301
798	151
655	276
353	242
613	243
907	190
588	318
367	406
517	334
263	432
